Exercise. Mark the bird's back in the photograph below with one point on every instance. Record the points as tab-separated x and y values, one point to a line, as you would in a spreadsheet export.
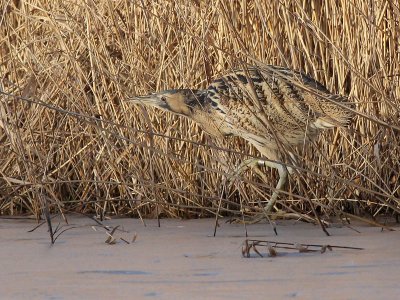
269	103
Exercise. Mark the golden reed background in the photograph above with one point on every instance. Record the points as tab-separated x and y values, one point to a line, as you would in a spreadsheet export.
70	141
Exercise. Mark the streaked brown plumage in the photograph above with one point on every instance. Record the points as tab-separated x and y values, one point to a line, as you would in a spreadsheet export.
271	107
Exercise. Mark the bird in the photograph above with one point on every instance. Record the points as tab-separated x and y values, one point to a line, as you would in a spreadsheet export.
274	108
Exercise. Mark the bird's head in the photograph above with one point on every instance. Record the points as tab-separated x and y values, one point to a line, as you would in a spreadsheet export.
177	101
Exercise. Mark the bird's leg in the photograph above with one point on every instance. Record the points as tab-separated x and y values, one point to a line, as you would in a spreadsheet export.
283	172
283	176
251	163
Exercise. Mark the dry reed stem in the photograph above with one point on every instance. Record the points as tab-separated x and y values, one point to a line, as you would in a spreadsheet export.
79	145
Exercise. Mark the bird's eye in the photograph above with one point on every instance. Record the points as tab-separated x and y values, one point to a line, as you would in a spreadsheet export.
163	98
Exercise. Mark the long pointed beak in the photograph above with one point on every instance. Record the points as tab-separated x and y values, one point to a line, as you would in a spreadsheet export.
151	100
148	99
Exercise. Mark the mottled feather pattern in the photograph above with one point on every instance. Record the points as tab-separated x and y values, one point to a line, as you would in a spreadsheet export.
275	102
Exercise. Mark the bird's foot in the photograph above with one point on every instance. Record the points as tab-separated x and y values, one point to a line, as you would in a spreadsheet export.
258	217
247	220
272	217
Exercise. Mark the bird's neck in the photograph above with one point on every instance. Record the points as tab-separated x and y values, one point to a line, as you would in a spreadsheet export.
196	101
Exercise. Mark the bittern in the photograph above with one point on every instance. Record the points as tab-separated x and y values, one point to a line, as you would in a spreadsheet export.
273	108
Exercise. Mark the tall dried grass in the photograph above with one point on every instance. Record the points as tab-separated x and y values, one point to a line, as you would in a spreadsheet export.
69	140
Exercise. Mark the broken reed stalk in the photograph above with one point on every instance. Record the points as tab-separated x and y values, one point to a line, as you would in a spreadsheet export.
272	246
277	244
94	54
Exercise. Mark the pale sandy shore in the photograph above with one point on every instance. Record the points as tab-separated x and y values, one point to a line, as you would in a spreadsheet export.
182	260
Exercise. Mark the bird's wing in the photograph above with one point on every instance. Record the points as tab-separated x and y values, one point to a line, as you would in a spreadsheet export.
286	98
330	110
248	95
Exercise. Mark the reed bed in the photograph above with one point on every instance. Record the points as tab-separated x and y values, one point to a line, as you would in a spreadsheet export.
68	139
